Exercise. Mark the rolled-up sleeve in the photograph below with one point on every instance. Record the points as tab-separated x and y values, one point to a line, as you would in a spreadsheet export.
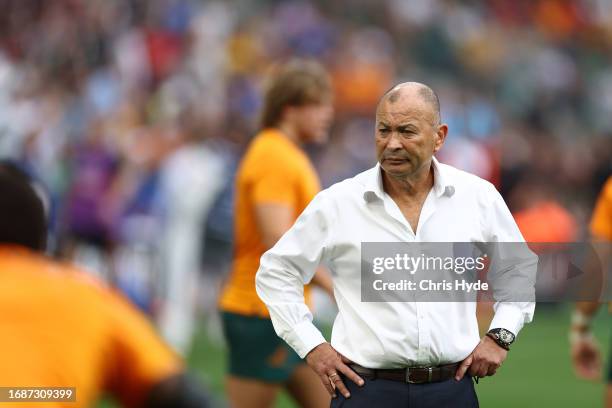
513	268
288	266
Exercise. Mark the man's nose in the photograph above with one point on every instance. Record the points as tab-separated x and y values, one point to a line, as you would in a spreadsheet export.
394	142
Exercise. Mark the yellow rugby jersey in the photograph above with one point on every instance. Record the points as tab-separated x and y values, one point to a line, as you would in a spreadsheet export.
63	328
274	170
601	222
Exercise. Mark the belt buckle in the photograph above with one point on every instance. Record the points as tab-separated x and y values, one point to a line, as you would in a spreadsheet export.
429	376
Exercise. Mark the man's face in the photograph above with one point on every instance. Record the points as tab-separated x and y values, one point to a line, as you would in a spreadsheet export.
313	121
406	136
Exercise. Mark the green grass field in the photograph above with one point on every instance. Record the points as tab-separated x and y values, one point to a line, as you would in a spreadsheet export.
537	372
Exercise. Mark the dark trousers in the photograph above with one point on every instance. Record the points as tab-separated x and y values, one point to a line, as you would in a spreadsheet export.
395	394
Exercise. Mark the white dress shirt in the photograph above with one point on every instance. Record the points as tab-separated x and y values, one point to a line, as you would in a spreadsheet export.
460	207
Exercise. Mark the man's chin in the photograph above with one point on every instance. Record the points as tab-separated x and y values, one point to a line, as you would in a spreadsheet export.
395	170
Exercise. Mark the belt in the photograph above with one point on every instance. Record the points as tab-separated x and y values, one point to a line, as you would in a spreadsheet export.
412	375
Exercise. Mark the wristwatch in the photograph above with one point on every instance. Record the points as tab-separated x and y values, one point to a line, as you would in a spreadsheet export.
504	338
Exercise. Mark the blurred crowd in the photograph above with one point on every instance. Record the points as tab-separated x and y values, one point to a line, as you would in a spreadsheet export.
133	114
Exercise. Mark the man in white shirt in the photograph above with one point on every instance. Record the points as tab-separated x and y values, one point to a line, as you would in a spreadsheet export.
400	354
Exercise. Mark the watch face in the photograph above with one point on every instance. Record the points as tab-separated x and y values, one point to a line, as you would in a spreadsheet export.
506	336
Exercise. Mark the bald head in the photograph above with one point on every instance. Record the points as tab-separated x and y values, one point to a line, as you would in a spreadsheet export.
408	91
408	130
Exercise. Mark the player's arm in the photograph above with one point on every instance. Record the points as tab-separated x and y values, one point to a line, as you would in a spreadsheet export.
512	277
273	220
583	314
585	352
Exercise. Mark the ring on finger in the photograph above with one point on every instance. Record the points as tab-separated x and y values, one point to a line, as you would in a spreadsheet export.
331	376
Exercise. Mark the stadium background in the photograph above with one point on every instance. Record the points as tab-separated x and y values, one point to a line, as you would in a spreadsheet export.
113	104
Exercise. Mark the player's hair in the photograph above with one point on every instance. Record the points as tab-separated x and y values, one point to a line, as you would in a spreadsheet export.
297	83
22	213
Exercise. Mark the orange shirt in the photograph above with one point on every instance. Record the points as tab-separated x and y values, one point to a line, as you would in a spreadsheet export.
62	328
274	170
546	221
601	222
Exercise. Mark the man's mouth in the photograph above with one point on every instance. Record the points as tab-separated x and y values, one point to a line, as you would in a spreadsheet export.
396	160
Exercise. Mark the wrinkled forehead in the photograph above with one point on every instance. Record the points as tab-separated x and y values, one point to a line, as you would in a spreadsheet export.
394	113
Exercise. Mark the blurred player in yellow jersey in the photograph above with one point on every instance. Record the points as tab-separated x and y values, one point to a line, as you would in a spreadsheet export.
275	182
586	355
62	328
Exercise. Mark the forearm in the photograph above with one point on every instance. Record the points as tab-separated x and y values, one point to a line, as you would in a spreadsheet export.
588	308
282	290
583	315
512	316
584	311
514	289
283	272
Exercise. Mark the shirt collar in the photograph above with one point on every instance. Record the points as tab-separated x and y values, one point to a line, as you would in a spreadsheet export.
374	185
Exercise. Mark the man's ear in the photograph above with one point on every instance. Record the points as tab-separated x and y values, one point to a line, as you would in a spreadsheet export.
440	136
